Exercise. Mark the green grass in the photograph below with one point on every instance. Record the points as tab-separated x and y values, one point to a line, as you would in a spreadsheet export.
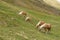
14	27
37	5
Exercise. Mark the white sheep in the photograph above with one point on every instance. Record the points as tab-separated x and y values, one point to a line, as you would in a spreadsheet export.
23	13
27	19
39	23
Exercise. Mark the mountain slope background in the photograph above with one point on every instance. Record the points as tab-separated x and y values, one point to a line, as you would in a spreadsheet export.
14	27
39	5
54	3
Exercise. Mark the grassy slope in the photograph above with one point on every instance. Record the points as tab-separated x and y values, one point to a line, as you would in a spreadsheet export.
13	26
38	5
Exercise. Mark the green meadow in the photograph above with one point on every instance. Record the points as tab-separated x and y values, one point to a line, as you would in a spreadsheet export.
14	26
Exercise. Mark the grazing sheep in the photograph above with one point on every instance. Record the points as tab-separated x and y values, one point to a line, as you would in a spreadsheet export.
46	27
23	13
27	19
40	23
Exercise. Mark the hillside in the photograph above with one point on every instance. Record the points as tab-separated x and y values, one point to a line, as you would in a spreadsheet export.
38	5
14	27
